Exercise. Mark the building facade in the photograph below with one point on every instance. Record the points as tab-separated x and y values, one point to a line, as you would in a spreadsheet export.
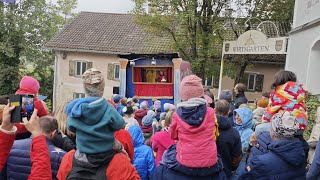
304	45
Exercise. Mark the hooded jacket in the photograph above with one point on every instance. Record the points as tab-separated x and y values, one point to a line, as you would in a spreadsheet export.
284	160
19	162
143	155
314	171
161	141
289	97
245	128
228	144
94	121
139	115
171	169
193	127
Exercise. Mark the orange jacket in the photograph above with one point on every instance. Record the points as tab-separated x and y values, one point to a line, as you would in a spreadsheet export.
119	168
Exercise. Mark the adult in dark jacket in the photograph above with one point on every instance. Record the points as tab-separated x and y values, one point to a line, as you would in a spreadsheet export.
314	171
171	169
228	142
285	158
19	162
143	156
239	90
227	95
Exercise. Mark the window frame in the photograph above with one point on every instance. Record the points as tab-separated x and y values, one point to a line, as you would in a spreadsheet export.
206	82
81	67
254	81
77	95
114	71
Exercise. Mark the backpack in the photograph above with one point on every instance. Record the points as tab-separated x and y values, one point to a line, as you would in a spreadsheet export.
79	172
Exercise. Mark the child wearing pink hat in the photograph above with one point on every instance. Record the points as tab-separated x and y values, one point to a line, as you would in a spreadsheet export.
193	126
29	85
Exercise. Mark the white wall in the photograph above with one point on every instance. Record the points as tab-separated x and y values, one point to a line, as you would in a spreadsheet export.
306	11
299	56
67	85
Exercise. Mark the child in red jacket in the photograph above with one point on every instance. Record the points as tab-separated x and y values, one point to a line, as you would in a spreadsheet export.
161	141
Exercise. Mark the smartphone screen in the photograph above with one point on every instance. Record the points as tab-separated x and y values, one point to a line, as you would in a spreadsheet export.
27	102
24	106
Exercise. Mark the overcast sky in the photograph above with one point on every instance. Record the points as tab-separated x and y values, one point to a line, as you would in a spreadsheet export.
110	6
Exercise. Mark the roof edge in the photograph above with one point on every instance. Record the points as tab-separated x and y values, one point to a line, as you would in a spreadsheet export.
87	51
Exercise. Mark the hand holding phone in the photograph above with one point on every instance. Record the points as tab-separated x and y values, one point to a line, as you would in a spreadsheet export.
24	106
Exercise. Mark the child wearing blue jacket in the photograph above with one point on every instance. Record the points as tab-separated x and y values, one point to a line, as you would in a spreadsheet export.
144	160
243	123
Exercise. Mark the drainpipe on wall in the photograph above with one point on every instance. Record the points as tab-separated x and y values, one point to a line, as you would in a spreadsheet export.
177	79
123	76
55	80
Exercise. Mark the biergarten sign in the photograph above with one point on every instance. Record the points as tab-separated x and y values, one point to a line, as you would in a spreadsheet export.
255	42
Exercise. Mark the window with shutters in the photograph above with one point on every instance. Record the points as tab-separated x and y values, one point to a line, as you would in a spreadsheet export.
77	68
253	81
78	95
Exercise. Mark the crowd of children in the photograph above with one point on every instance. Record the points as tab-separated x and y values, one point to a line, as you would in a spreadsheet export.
131	138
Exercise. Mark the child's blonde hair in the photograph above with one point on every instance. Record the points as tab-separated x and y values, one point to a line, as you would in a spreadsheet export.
61	116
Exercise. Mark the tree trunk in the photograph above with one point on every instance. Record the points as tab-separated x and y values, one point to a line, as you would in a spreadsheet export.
243	67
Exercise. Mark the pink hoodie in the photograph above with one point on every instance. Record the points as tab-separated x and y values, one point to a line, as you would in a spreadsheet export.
196	146
161	141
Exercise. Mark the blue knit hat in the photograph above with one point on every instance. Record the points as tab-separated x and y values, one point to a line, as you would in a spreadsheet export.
226	95
117	98
147	120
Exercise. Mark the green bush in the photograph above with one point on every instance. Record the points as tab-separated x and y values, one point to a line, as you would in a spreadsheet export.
312	103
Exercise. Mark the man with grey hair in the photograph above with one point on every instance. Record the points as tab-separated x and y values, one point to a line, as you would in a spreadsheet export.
228	142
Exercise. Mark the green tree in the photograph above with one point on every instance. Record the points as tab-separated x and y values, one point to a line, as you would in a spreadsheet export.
65	7
25	27
198	28
190	24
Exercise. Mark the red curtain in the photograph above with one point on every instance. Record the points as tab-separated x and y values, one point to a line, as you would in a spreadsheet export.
153	90
137	77
169	75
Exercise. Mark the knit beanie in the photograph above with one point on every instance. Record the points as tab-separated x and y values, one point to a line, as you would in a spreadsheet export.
28	85
284	125
172	107
147	120
93	83
263	103
191	87
144	105
117	98
226	95
166	107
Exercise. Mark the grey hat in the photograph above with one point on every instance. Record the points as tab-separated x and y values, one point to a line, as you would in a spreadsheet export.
226	95
93	82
